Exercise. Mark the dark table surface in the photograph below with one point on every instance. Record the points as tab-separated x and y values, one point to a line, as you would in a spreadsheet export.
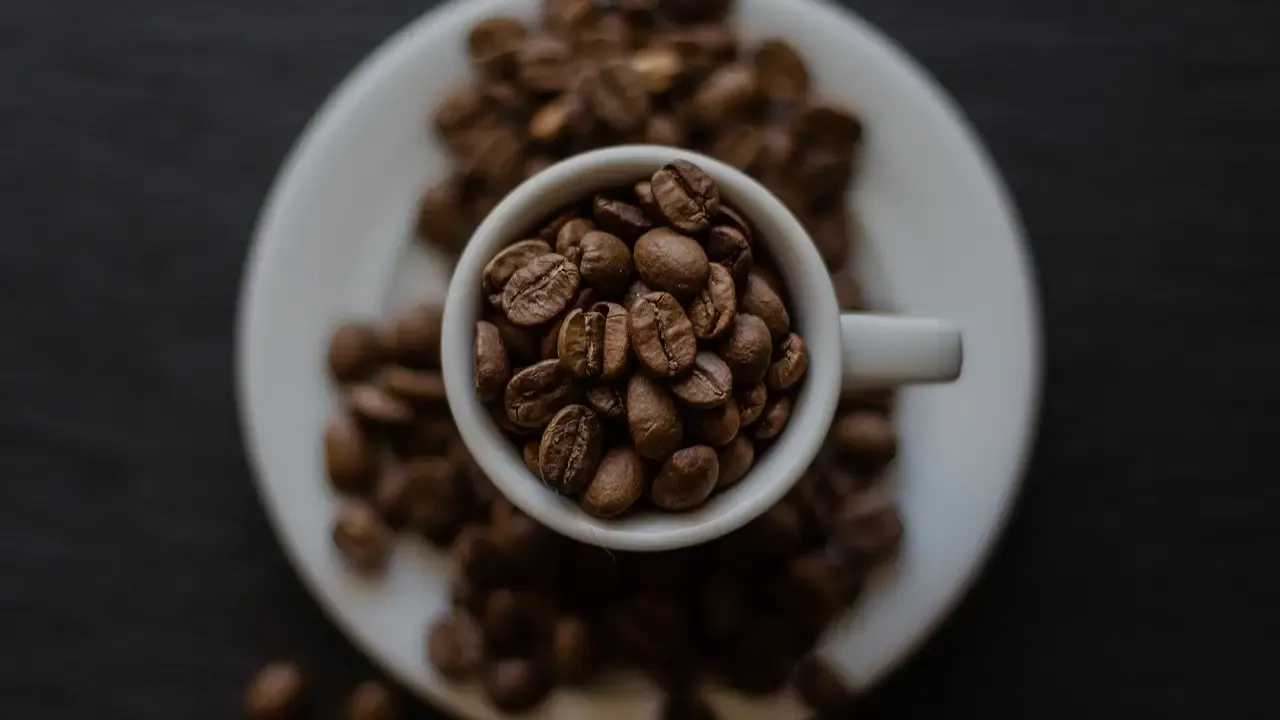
139	578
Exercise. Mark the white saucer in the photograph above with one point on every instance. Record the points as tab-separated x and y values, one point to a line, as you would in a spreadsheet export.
941	238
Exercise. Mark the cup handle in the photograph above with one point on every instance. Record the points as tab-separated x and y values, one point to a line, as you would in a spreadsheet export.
884	351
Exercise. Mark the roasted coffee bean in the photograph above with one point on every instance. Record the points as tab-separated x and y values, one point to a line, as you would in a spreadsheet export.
732	218
508	622
620	218
505	264
361	536
372	701
730	247
492	159
775	164
521	343
726	96
617	339
350	455
618	483
703	46
441	221
391	493
634	291
536	393
708	384
781	72
550	123
554	223
686	196
686	478
566	18
423	388
478	555
848	290
515	684
774	418
828	172
868	527
644	195
571	650
751	403
606	262
713	309
608	38
867	434
529	453
415	336
544	64
739	146
617	96
493	42
428	435
580	345
747	348
665	129
493	367
433	499
540	290
569	239
661	334
608	400
717	426
658	67
672	262
821	688
790	362
354	350
459	112
570	449
829	127
759	299
455	645
277	692
377	405
735	459
654	422
810	594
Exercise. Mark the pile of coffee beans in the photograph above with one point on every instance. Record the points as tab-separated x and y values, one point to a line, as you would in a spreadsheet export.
666	387
593	73
279	692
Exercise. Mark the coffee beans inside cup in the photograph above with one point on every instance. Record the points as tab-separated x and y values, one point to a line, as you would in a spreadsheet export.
645	346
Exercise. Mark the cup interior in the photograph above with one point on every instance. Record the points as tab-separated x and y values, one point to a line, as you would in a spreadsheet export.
814	315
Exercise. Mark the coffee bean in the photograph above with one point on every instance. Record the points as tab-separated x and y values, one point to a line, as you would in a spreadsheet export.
430	434
665	129
732	218
521	343
671	262
635	290
361	536
277	692
751	403
433	499
821	688
541	290
776	161
717	426
810	594
790	362
354	350
550	123
649	627
606	262
372	701
713	309
609	38
759	299
505	264
774	418
739	146
726	96
492	159
492	44
829	127
580	345
570	449
440	220
828	172
544	64
617	96
493	367
831	235
529	453
848	290
658	67
459	112
477	554
508	622
730	247
569	239
609	401
554	223
686	478
515	684
571	650
747	348
377	405
868	528
415	336
867	434
644	195
781	71
617	339
735	460
350	455
455	646
654	422
709	384
618	483
686	196
422	388
661	334
620	218
536	393
391	494
566	18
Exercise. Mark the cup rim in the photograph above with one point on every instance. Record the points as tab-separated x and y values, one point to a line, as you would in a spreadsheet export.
773	474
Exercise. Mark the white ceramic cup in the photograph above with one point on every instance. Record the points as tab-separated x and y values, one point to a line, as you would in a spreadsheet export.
845	351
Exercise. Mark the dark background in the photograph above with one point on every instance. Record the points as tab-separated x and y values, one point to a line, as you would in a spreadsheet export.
139	578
